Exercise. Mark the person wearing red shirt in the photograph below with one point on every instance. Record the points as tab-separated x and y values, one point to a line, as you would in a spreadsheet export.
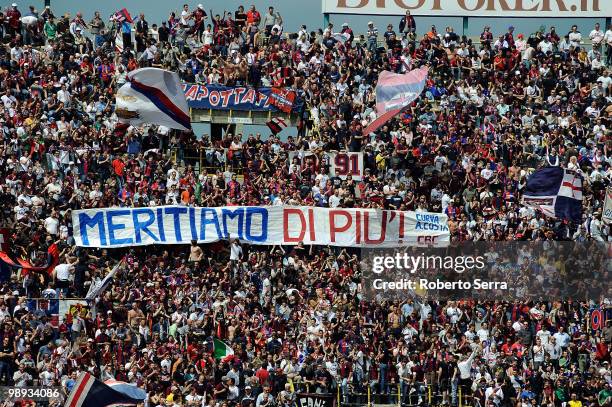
253	16
14	20
118	167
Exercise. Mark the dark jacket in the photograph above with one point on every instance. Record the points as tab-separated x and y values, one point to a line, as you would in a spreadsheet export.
409	25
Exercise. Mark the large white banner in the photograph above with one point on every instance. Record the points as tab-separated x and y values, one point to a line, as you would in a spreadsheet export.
473	8
264	225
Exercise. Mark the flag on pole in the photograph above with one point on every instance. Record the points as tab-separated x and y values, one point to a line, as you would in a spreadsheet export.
394	93
277	124
221	349
555	191
153	96
123	15
89	391
99	286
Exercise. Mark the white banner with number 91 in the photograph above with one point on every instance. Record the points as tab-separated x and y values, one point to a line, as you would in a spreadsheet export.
343	164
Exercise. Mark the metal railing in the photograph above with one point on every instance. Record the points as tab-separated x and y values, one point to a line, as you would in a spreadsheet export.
419	394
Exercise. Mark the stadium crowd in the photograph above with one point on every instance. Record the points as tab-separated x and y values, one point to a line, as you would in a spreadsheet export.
493	111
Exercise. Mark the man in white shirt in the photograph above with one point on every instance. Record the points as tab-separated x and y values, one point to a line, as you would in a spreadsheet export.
544	336
52	224
64	96
235	250
334	200
186	15
63	274
545	46
597	37
20	211
575	37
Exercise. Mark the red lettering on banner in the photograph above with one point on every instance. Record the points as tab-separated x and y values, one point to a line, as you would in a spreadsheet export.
366	227
401	225
286	213
237	93
202	93
596	320
427	240
213	98
311	222
358	227
333	229
225	95
249	97
191	93
262	98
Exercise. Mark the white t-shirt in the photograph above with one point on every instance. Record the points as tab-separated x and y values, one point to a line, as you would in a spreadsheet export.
51	224
62	271
596	36
185	15
334	201
235	251
575	38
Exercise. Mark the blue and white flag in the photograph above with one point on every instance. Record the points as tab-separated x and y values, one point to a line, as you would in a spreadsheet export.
99	286
153	96
557	192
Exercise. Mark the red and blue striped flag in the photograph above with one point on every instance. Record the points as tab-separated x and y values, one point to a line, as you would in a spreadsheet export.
394	93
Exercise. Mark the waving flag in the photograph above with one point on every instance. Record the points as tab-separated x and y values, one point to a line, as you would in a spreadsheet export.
341	37
99	286
122	15
222	349
395	92
282	98
89	391
26	266
277	124
129	389
154	96
556	191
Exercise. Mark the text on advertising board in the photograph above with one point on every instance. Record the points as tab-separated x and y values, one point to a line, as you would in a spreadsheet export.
474	8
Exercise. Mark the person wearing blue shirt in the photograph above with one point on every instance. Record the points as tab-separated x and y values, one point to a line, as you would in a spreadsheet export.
126	32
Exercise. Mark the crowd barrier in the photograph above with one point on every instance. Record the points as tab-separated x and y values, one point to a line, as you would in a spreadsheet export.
418	394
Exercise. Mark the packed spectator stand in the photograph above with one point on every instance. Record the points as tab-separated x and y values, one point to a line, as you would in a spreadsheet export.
493	110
